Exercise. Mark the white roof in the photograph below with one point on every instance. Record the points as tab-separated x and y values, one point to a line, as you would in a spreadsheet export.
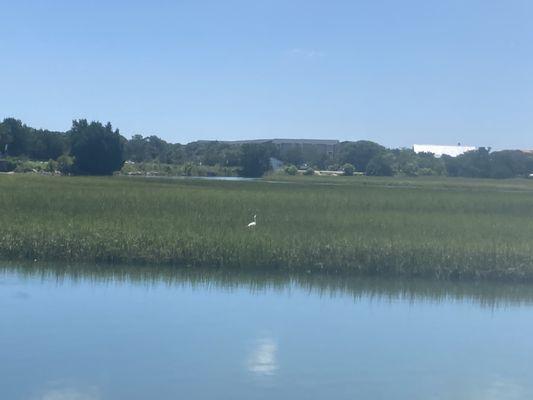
438	151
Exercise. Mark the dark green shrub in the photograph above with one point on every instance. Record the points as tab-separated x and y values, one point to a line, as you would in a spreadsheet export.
52	166
380	165
65	164
7	165
348	169
291	170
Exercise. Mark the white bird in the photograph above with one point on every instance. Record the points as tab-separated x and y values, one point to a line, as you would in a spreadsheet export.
253	223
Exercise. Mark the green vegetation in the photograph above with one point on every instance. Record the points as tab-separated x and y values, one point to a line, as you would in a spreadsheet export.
187	169
86	149
97	149
348	169
255	159
291	170
438	227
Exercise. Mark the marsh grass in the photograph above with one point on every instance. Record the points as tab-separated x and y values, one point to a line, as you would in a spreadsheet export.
419	227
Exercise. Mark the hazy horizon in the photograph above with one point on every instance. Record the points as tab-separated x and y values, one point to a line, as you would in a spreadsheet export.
394	73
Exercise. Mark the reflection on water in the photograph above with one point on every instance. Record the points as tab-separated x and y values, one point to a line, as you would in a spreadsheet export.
101	332
262	360
487	294
501	389
58	391
208	178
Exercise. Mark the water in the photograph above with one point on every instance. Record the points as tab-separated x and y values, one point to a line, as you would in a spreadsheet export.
206	178
88	333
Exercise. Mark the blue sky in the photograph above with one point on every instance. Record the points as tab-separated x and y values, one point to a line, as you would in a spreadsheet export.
396	72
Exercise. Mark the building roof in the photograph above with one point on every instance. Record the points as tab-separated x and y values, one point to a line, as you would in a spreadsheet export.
438	150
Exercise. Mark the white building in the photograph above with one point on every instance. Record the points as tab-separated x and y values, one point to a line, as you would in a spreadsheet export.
439	151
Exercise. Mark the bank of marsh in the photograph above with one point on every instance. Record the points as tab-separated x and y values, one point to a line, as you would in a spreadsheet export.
440	228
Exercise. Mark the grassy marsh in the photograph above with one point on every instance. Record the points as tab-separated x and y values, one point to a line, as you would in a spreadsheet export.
444	228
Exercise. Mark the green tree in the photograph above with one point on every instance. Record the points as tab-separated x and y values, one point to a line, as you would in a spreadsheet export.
381	165
472	164
175	154
291	170
65	164
51	166
231	156
510	163
97	149
48	145
348	169
17	136
136	149
293	155
188	168
255	159
5	137
359	153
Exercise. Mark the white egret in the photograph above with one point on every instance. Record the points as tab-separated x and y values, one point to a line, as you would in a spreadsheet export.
253	223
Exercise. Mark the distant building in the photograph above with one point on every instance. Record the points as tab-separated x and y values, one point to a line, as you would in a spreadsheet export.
438	151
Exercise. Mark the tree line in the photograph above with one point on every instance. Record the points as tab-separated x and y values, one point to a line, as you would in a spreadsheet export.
96	149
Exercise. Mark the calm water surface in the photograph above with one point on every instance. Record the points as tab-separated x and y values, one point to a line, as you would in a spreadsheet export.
88	333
